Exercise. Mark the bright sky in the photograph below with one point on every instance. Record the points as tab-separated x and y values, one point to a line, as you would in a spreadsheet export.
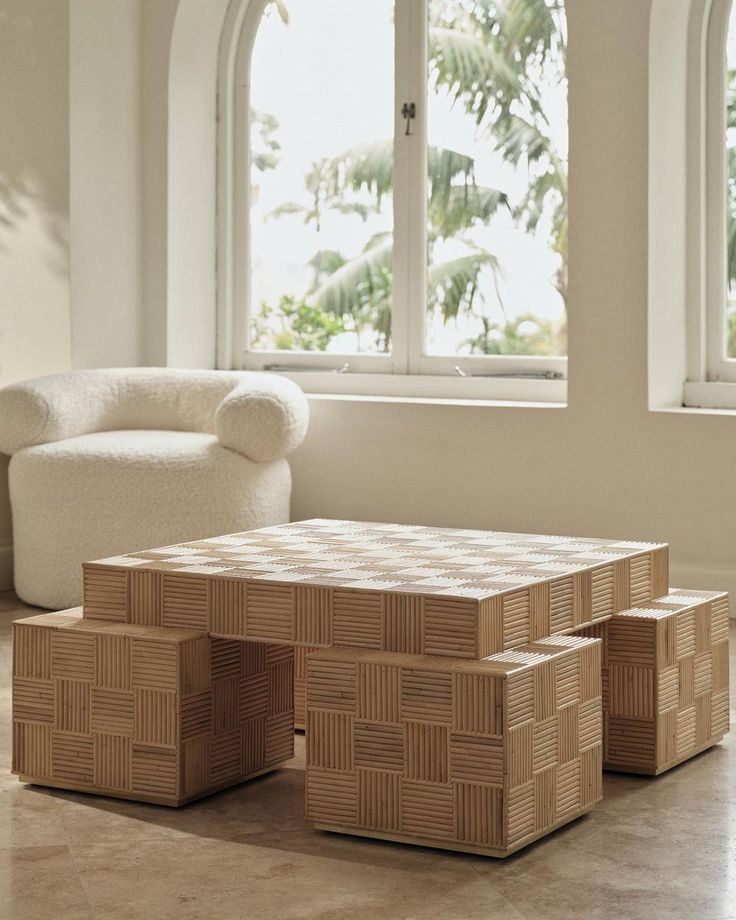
328	78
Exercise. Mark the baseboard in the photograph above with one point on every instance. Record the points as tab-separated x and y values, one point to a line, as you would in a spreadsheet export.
699	575
6	565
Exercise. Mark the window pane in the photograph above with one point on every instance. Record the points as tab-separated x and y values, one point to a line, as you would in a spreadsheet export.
731	161
322	171
497	133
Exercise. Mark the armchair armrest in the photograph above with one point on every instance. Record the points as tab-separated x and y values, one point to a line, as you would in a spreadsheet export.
264	418
45	409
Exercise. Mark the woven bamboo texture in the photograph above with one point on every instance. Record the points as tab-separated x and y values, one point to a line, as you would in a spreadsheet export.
483	756
665	680
466	688
419	590
152	714
300	686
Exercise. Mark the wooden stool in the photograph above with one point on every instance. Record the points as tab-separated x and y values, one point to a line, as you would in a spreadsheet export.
459	706
480	756
665	681
153	714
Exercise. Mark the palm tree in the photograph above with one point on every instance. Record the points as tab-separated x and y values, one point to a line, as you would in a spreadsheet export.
361	287
493	58
496	59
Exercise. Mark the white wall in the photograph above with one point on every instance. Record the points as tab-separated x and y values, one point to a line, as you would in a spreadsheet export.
105	182
34	205
605	465
34	182
157	23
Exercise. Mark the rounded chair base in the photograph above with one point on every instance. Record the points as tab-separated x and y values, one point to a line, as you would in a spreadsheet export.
116	492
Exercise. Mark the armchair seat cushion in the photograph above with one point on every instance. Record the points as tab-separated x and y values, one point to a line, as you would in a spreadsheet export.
111	492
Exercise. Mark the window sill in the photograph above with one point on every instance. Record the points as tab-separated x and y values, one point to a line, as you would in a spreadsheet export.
474	391
710	396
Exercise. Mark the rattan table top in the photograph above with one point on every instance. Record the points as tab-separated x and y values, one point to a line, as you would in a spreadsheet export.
397	558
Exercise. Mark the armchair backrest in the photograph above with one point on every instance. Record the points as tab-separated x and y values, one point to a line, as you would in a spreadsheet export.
80	402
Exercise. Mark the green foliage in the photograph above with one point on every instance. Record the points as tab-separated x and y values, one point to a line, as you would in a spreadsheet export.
525	335
319	184
361	290
302	326
731	215
452	285
463	207
323	264
470	67
494	58
266	151
731	329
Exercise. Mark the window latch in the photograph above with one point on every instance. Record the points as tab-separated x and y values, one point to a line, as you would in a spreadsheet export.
295	368
527	375
408	112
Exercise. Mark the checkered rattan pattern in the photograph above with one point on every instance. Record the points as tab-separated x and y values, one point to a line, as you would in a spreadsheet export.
484	755
160	715
665	677
386	587
455	698
300	686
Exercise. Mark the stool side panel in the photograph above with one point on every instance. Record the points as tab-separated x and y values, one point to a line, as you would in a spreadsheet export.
148	589
665	670
148	713
464	754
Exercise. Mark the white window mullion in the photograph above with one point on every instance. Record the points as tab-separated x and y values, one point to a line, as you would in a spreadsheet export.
716	184
417	255
234	131
410	187
407	370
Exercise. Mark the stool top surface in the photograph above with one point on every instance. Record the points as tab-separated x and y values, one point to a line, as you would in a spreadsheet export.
365	556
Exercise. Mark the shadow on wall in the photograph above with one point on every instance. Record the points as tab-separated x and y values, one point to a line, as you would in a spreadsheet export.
34	163
34	205
34	189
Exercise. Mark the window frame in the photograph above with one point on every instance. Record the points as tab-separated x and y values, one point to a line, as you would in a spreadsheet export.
718	366
710	375
407	370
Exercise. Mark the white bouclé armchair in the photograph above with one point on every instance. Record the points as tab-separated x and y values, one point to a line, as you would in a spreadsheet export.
111	461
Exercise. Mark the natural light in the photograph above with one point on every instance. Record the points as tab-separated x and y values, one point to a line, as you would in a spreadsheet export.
321	195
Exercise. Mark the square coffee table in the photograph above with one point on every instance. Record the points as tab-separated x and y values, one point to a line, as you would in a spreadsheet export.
457	699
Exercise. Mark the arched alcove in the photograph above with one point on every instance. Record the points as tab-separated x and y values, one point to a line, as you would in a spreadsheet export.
199	47
668	205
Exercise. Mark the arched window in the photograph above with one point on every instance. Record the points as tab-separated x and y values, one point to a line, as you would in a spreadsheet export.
723	49
399	192
719	185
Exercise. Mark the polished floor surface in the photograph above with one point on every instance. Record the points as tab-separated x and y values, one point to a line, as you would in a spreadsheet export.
654	848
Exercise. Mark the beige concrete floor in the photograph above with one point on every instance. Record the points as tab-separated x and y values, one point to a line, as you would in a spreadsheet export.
656	849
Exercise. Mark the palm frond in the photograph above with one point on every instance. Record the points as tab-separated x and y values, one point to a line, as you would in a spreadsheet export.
529	27
353	207
446	168
323	264
453	284
524	335
378	239
358	282
470	68
365	167
516	137
538	195
463	207
370	167
288	209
